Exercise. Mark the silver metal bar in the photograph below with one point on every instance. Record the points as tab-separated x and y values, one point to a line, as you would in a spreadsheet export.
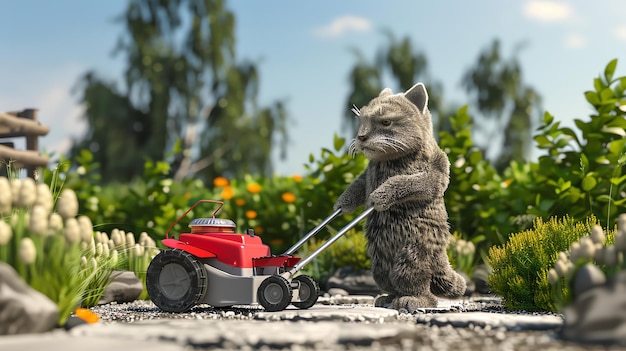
330	241
310	234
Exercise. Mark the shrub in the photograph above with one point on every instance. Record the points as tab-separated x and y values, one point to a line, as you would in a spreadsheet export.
520	267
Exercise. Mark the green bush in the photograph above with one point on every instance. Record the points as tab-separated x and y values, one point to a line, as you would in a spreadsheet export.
520	267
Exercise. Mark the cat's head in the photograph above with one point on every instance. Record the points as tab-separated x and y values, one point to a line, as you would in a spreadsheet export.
393	125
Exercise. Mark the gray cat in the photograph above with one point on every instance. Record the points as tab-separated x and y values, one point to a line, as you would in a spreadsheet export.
405	181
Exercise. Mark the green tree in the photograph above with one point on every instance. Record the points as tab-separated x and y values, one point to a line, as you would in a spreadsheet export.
504	102
184	90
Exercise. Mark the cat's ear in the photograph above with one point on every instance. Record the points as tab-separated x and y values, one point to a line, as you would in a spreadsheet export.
385	92
418	96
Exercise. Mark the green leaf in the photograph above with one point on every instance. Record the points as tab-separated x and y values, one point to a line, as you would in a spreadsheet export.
589	182
547	118
610	70
592	97
339	142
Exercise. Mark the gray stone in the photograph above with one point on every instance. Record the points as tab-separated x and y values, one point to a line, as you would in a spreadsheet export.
347	313
586	278
23	309
124	287
598	315
352	282
493	320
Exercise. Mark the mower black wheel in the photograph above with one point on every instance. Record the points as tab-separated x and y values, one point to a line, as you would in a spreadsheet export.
308	291
176	280
274	293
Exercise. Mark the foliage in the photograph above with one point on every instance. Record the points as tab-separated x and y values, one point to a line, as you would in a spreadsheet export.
507	106
581	173
520	267
183	83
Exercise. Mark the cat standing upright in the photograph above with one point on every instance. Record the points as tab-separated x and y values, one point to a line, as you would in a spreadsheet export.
405	181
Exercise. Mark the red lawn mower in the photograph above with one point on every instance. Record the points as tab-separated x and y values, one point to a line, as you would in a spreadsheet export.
216	266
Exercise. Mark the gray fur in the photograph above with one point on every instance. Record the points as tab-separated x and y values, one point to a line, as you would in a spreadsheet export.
405	181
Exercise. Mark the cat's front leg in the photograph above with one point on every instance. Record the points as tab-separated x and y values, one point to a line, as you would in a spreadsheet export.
421	186
353	196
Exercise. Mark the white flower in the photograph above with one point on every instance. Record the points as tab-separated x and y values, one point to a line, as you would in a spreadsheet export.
72	231
137	251
574	252
105	249
27	193
114	258
620	241
55	223
621	222
587	248
561	268
38	223
130	240
67	204
16	185
44	197
610	256
83	261
27	252
99	249
6	196
553	276
86	228
117	237
597	235
6	233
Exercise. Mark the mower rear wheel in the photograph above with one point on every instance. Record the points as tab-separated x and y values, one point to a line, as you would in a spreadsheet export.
176	280
274	293
308	291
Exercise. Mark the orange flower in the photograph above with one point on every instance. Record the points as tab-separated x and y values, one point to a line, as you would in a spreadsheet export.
227	193
258	230
297	178
250	214
288	197
276	242
87	315
254	188
220	182
187	196
240	202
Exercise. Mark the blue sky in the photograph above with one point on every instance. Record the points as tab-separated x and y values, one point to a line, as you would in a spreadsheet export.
303	51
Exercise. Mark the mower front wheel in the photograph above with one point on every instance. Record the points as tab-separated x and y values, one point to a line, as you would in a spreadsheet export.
308	291
176	280
274	293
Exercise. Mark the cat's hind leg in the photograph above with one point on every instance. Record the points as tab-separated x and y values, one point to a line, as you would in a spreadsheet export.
411	278
445	282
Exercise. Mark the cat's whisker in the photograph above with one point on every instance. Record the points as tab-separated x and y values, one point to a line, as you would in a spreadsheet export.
356	110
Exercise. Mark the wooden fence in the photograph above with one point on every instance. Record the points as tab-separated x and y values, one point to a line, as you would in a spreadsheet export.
22	124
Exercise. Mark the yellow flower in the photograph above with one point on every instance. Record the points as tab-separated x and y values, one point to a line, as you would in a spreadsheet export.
227	193
297	178
250	214
220	182
288	197
187	196
240	202
254	188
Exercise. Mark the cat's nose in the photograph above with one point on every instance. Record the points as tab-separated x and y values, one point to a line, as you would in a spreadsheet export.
362	137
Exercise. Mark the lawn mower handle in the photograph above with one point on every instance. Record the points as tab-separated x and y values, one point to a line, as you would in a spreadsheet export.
330	241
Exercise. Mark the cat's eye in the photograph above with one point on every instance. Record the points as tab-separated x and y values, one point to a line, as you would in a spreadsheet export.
385	122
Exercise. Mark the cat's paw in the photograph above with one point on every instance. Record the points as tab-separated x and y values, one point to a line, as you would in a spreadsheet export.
344	205
380	200
384	301
414	303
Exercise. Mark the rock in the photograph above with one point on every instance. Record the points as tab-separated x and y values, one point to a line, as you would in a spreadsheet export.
353	282
586	278
480	277
124	287
23	309
598	315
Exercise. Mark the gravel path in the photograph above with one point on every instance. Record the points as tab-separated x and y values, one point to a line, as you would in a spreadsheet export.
346	323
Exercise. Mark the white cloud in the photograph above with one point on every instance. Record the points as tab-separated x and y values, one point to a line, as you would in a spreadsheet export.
620	32
548	11
575	41
342	25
